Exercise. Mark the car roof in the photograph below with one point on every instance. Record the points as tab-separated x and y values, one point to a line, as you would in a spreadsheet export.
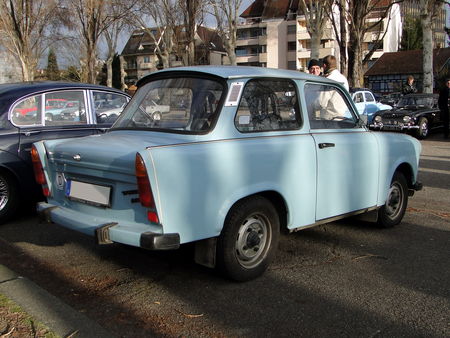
236	72
13	91
353	90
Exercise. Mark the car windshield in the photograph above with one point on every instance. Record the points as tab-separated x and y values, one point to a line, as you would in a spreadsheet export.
182	104
426	102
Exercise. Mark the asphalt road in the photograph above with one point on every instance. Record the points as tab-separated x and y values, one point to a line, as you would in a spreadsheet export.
340	279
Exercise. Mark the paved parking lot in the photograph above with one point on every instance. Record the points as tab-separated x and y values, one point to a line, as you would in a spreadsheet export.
340	279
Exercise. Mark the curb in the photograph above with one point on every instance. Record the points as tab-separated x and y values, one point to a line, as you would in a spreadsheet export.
48	309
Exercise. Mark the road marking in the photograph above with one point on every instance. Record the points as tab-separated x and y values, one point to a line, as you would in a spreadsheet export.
436	158
436	171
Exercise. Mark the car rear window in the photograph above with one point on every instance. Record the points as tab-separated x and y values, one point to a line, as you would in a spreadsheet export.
181	104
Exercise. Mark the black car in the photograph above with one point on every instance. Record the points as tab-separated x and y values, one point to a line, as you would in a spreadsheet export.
33	111
391	99
414	113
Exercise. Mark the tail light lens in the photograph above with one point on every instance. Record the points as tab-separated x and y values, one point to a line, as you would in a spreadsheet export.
145	190
39	174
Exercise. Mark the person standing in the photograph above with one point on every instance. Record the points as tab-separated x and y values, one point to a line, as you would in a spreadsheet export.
315	67
409	87
331	72
443	106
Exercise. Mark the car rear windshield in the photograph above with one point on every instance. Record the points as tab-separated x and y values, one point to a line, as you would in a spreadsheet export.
417	102
181	104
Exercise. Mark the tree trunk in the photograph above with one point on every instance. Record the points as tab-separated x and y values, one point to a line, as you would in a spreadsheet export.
123	73
109	71
315	45
427	52
343	44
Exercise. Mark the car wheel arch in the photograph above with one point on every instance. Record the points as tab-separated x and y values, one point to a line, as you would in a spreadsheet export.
277	200
407	172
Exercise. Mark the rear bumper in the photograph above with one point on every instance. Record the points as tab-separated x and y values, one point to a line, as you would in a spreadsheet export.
416	187
109	232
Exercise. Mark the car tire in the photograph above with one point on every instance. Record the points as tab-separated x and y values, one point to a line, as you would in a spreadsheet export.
249	239
9	197
392	212
423	130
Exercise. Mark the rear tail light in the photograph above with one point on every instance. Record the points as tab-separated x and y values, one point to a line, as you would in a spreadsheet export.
39	174
145	190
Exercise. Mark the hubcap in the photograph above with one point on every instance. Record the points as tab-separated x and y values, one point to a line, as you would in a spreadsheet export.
394	201
4	193
424	128
252	242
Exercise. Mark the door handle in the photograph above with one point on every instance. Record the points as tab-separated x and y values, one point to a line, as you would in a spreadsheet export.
326	145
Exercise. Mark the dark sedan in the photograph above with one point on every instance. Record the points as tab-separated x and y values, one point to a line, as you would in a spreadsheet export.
35	111
414	113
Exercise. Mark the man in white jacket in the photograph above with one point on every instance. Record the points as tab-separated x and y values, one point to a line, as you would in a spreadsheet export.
331	71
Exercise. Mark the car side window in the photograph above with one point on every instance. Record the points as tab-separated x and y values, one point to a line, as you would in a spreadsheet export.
65	108
369	97
108	106
327	108
268	105
27	112
358	98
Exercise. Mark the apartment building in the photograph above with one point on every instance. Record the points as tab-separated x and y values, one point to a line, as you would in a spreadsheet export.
274	33
10	70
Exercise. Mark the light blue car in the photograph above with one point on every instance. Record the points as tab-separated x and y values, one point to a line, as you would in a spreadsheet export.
366	104
254	151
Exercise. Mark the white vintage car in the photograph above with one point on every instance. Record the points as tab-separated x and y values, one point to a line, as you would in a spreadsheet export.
254	151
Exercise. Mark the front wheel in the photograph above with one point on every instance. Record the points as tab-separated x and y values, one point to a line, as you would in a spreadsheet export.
248	240
422	132
392	212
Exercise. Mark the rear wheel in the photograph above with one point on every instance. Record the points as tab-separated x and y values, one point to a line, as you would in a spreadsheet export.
248	240
423	130
392	212
9	199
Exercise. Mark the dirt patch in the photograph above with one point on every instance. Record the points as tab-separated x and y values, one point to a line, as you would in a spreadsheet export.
14	322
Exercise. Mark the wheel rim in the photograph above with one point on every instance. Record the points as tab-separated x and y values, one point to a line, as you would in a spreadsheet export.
252	242
424	128
4	193
394	201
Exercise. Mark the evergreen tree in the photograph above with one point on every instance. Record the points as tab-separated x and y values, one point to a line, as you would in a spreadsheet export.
412	34
52	67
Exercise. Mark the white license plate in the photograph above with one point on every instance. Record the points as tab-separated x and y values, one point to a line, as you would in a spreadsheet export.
88	193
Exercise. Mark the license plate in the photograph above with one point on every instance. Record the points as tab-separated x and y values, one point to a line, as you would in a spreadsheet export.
88	193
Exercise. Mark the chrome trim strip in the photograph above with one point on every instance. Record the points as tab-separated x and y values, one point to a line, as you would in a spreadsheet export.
335	218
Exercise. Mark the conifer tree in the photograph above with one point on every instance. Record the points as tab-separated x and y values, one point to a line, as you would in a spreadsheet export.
52	67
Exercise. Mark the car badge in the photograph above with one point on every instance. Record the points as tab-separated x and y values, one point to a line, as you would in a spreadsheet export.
77	157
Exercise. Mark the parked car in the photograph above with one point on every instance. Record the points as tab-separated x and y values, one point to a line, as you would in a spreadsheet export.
366	103
415	113
391	99
24	120
228	174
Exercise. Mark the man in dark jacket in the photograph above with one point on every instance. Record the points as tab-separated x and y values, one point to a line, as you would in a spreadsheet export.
409	87
443	106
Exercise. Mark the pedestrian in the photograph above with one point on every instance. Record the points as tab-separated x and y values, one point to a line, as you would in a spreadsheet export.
331	72
409	87
443	106
315	67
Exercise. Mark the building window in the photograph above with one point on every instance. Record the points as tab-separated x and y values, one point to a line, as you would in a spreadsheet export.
292	45
292	65
146	59
291	29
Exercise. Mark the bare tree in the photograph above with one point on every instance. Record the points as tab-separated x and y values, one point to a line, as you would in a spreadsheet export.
428	11
91	18
226	13
193	14
340	31
356	15
25	27
316	15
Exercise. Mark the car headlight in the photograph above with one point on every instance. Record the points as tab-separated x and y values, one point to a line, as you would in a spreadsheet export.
406	119
377	119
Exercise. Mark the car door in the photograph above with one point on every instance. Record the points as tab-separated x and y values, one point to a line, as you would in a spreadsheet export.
347	154
46	120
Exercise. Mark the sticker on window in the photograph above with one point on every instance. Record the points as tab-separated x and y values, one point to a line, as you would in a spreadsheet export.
234	94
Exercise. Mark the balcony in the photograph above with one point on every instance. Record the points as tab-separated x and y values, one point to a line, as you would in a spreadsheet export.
247	58
145	65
